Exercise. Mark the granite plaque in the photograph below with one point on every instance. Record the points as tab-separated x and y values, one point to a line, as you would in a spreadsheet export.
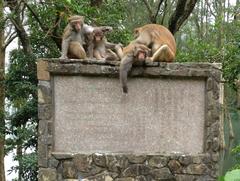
157	116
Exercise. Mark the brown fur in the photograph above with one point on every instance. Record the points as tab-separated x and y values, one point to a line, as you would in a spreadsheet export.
156	37
159	39
72	39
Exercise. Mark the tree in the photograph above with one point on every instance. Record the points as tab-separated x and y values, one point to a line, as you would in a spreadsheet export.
2	96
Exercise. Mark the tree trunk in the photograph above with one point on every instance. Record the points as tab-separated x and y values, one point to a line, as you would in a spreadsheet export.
21	32
238	93
219	21
19	155
2	98
183	10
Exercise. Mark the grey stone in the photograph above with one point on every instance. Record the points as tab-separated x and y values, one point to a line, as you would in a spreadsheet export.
136	158
215	144
158	161
195	169
116	163
141	178
82	162
52	162
42	154
63	156
174	166
69	170
47	174
162	174
99	159
44	92
185	177
91	115
185	159
83	116
44	111
136	170
125	179
215	157
209	85
104	176
206	178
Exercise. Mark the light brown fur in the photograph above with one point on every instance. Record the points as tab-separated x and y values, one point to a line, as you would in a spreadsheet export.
159	39
156	37
72	39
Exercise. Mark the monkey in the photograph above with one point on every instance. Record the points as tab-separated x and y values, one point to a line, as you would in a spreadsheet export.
161	43
159	39
72	40
102	49
133	52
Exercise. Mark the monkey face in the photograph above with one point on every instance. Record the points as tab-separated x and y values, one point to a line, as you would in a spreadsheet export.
77	25
141	55
98	35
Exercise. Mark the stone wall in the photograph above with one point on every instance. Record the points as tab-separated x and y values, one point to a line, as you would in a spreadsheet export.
185	145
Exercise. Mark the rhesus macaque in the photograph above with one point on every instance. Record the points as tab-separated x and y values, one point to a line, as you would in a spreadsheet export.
102	49
72	40
159	39
156	37
133	52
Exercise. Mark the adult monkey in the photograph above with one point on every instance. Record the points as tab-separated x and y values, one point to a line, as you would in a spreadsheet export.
73	40
133	52
156	37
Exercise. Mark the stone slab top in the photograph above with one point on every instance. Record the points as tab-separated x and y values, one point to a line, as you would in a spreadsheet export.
94	67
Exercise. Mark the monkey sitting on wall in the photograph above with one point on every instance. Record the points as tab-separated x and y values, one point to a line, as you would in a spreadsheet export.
72	40
102	49
156	37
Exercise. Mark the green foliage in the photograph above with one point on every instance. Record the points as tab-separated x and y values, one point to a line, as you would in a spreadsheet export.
22	121
198	51
231	63
236	153
21	80
233	175
28	165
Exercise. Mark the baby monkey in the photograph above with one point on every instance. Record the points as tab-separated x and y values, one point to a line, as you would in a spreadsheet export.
102	49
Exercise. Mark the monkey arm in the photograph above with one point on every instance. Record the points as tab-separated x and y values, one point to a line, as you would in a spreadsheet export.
110	45
65	45
125	66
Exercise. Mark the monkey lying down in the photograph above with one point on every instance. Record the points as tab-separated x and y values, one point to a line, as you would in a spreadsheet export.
149	38
77	33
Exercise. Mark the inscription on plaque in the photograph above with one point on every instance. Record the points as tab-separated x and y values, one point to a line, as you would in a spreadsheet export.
157	116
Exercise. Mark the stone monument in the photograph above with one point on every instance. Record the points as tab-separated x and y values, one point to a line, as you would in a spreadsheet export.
168	127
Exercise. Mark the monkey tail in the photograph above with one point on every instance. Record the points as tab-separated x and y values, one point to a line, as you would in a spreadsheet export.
125	67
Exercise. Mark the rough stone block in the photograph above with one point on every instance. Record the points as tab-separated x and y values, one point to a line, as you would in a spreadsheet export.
137	158
158	161
136	170
42	70
45	111
162	174
47	174
44	92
